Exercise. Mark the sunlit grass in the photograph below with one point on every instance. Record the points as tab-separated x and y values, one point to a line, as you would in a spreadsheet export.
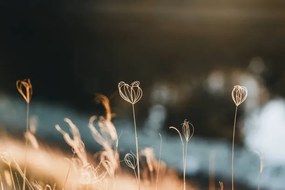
103	170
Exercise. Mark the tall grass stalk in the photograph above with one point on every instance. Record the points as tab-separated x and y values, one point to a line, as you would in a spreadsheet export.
137	145
187	135
233	147
25	89
12	177
1	183
131	163
132	94
260	157
212	171
239	95
18	182
159	160
66	177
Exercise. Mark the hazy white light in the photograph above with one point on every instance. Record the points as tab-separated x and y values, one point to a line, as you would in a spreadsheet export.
256	65
216	82
164	94
156	118
253	87
265	131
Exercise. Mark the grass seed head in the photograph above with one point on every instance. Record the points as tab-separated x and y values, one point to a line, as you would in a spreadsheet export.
130	161
239	94
130	93
25	89
186	130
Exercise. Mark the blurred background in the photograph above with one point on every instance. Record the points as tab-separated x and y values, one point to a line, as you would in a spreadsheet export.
187	55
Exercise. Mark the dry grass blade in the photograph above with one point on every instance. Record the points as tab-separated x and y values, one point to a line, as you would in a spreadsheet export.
25	89
239	94
75	143
2	186
108	139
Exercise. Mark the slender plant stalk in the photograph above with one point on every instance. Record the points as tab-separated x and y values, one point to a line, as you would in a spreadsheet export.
239	95
260	169
159	161
185	165
18	183
137	146
233	146
212	171
136	176
2	186
66	177
26	144
12	177
132	94
183	155
25	89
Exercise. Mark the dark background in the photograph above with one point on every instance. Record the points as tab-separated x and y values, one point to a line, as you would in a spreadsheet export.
74	49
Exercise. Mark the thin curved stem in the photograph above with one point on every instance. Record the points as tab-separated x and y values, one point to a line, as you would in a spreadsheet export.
185	165
183	155
233	146
137	147
12	177
159	161
66	177
136	176
26	145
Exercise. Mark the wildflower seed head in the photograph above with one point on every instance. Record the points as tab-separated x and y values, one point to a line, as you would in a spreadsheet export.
25	89
130	161
130	93
239	94
186	130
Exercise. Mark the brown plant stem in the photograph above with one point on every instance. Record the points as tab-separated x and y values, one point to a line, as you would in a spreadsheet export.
137	146
233	146
26	145
159	161
185	165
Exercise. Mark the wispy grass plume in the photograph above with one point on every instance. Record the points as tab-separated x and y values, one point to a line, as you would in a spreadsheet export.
88	174
108	139
106	135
